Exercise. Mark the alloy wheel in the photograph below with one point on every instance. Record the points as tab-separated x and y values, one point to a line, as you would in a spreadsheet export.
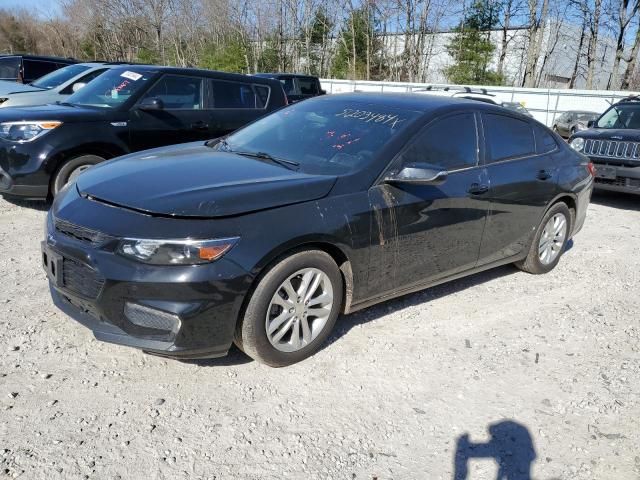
552	239
299	310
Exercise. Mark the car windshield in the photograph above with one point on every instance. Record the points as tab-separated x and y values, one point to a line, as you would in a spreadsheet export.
58	77
112	88
621	116
9	68
325	137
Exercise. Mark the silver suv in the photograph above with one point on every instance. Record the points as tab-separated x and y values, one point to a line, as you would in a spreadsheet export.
53	87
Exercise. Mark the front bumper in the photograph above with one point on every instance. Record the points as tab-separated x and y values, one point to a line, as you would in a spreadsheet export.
23	170
617	178
94	285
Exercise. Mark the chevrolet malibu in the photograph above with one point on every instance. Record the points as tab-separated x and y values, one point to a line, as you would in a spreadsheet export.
265	236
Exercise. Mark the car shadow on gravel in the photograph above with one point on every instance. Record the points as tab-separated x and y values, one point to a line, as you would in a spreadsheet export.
622	201
40	205
347	322
234	357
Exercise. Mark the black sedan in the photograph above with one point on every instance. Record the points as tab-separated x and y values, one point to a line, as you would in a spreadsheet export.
264	237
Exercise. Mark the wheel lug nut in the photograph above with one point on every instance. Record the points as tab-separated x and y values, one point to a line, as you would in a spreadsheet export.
291	310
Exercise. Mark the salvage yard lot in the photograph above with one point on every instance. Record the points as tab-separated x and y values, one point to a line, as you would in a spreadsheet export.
392	394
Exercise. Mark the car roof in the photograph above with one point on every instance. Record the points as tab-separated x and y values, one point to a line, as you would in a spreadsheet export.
276	75
411	101
196	71
41	57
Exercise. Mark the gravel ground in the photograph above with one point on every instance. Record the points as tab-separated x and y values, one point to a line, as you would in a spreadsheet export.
505	368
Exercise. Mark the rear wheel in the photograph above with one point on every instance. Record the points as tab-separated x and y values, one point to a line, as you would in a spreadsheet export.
549	241
292	310
70	170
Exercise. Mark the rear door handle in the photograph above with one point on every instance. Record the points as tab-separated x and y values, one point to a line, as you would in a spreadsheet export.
200	126
477	189
544	175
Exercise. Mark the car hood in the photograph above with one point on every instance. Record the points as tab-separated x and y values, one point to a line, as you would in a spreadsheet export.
192	180
63	113
610	133
7	88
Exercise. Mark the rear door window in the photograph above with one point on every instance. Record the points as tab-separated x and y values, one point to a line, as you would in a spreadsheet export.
178	92
229	94
288	86
507	137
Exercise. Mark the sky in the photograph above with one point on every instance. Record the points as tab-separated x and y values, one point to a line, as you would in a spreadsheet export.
41	8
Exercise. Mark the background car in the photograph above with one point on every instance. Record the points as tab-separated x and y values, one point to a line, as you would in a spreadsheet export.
325	207
612	142
573	121
27	68
296	86
53	87
124	110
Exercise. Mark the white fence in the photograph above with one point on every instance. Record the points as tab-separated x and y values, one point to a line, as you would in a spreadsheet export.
545	104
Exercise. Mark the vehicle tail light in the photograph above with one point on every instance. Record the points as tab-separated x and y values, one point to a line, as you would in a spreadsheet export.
591	169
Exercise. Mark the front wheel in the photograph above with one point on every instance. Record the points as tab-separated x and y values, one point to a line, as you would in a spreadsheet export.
549	241
292	310
70	170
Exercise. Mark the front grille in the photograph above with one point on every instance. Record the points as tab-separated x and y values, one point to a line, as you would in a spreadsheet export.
612	149
80	278
81	233
632	183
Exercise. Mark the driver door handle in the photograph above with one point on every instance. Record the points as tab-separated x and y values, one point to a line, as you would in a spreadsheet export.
477	189
544	175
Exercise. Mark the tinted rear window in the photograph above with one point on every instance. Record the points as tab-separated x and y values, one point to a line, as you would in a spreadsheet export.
34	69
508	137
308	86
9	68
234	95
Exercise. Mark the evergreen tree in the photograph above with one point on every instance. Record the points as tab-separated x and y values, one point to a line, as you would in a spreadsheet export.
472	48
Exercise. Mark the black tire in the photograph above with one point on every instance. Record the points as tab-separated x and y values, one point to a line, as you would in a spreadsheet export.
532	263
251	335
68	168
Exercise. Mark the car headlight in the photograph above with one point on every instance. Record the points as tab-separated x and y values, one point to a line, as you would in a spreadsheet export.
26	131
175	252
577	144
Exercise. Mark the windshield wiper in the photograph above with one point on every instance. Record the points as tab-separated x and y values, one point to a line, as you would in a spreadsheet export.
266	156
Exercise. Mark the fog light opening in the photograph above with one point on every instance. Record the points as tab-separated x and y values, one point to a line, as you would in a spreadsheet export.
151	318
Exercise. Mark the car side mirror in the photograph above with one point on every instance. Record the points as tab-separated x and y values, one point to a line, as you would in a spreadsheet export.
151	103
591	123
418	174
77	86
323	92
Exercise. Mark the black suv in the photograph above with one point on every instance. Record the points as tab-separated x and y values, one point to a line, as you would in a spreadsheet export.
297	86
612	142
124	110
27	68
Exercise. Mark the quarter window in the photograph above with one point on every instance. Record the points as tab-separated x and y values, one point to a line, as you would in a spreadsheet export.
177	92
508	137
450	143
545	142
227	94
35	69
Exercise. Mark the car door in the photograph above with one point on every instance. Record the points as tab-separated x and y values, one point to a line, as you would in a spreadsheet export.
234	104
523	180
182	117
421	233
